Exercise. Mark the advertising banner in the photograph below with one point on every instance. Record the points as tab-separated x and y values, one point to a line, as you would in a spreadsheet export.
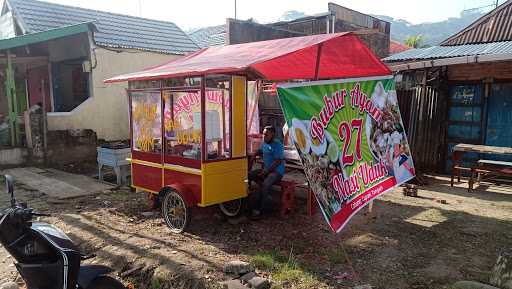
146	121
351	141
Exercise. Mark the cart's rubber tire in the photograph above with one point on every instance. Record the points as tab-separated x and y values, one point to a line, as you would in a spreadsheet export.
175	211
105	282
231	208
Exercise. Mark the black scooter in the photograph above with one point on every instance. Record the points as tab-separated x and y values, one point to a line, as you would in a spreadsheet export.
47	258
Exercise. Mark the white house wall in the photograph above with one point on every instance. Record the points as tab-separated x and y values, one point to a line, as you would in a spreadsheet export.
106	111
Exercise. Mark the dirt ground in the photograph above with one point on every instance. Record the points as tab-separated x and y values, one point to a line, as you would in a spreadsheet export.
407	242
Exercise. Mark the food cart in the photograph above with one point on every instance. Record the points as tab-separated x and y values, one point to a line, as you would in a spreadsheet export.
188	116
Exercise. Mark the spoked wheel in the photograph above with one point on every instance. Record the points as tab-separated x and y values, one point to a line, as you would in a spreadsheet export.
175	211
231	208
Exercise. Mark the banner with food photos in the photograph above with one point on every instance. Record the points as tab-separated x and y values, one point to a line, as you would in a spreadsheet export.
351	141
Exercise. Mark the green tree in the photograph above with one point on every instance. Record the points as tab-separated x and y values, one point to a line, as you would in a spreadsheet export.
415	41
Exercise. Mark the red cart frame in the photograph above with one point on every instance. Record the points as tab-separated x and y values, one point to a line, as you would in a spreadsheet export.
202	177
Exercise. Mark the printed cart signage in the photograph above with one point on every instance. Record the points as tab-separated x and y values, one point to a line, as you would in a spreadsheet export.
351	141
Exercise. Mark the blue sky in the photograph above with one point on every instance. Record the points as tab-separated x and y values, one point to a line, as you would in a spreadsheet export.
199	13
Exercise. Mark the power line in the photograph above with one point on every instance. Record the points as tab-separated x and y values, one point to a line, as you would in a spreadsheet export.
495	5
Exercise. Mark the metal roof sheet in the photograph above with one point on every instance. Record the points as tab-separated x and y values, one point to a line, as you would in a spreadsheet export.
114	30
342	55
436	52
28	39
209	36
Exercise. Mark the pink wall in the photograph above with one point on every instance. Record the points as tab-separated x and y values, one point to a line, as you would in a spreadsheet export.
34	86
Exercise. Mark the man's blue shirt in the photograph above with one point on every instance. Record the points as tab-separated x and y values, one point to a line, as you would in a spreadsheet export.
272	152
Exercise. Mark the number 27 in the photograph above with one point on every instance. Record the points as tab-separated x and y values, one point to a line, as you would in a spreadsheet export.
345	132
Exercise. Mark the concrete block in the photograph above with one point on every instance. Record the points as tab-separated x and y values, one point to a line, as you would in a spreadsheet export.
12	156
238	268
233	284
501	275
57	184
259	283
245	278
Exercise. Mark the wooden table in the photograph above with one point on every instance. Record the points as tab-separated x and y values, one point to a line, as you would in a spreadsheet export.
459	151
483	149
489	167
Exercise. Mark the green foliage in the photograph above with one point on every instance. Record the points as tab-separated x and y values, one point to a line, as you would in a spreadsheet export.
285	269
156	283
295	276
414	41
263	261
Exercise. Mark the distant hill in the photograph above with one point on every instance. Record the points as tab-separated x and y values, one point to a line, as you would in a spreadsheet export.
433	33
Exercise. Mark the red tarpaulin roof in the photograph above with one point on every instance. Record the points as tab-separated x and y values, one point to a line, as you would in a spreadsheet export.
337	55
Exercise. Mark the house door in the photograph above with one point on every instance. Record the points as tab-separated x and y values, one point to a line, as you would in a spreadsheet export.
464	118
499	117
35	91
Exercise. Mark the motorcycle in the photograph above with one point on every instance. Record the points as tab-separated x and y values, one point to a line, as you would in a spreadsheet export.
46	257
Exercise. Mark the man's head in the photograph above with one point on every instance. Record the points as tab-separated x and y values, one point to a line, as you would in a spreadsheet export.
268	133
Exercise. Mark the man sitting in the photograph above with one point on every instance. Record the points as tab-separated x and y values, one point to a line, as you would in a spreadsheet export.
272	172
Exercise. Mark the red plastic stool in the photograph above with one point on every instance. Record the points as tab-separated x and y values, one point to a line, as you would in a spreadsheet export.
287	197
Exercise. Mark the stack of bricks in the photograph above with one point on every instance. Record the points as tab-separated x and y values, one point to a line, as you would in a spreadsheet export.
410	190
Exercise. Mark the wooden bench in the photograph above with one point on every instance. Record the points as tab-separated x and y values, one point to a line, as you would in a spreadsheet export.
457	166
494	163
489	167
484	166
456	170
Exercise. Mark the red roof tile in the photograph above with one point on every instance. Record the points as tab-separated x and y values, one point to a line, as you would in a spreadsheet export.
397	47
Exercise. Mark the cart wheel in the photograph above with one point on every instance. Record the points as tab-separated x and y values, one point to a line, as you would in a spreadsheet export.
231	208
175	212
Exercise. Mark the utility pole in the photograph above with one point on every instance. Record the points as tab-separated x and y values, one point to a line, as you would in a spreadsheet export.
235	9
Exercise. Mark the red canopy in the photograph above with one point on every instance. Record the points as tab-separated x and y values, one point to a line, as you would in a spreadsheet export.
322	56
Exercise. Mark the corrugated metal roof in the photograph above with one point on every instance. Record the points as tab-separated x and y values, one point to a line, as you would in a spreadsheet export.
492	27
209	36
32	38
436	52
114	30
